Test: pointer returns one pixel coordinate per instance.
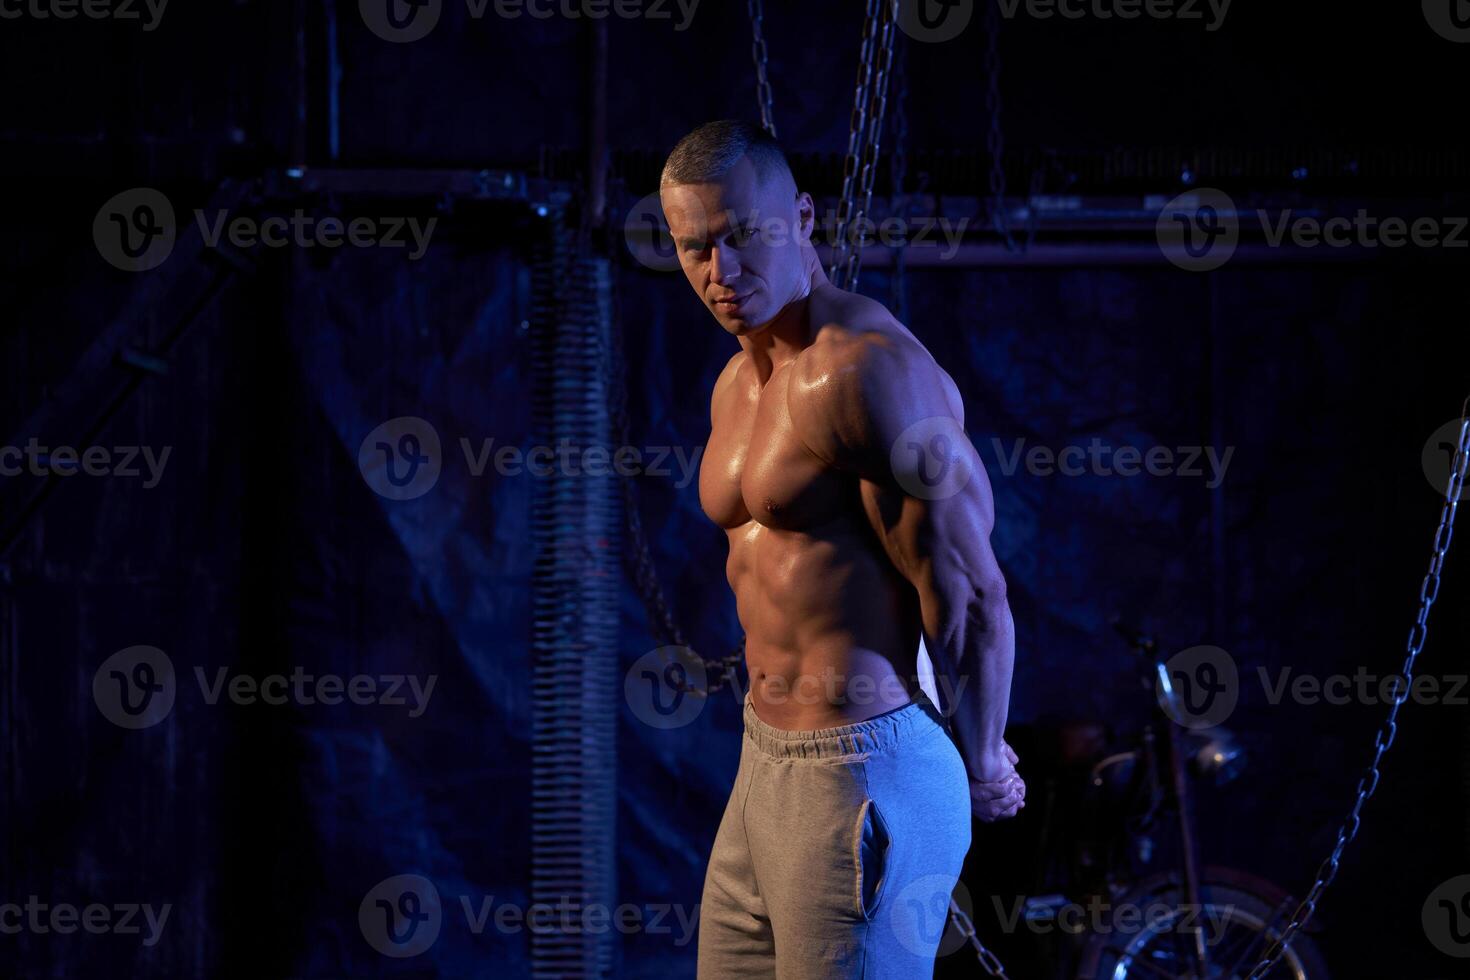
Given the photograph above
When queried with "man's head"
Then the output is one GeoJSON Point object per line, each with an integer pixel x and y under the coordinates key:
{"type": "Point", "coordinates": [738, 222]}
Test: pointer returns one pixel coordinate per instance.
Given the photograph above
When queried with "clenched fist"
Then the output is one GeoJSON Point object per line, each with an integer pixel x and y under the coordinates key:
{"type": "Point", "coordinates": [999, 793]}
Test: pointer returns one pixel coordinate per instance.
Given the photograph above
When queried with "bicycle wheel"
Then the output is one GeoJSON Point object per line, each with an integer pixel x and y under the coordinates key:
{"type": "Point", "coordinates": [1237, 926]}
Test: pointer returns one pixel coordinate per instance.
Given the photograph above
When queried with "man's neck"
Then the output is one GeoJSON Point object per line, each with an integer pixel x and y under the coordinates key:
{"type": "Point", "coordinates": [790, 332]}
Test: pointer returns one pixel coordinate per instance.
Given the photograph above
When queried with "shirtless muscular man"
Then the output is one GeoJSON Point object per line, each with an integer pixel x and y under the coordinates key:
{"type": "Point", "coordinates": [859, 519]}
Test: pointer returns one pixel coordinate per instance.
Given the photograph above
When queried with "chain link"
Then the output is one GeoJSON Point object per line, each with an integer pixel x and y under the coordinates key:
{"type": "Point", "coordinates": [988, 960]}
{"type": "Point", "coordinates": [720, 672]}
{"type": "Point", "coordinates": [870, 102]}
{"type": "Point", "coordinates": [994, 140]}
{"type": "Point", "coordinates": [995, 144]}
{"type": "Point", "coordinates": [1383, 740]}
{"type": "Point", "coordinates": [898, 168]}
{"type": "Point", "coordinates": [759, 55]}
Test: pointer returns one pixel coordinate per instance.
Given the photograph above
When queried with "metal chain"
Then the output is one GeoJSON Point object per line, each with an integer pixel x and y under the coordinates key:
{"type": "Point", "coordinates": [870, 102]}
{"type": "Point", "coordinates": [857, 126]}
{"type": "Point", "coordinates": [639, 558]}
{"type": "Point", "coordinates": [966, 928]}
{"type": "Point", "coordinates": [874, 140]}
{"type": "Point", "coordinates": [898, 168]}
{"type": "Point", "coordinates": [758, 54]}
{"type": "Point", "coordinates": [994, 140]}
{"type": "Point", "coordinates": [995, 145]}
{"type": "Point", "coordinates": [1368, 783]}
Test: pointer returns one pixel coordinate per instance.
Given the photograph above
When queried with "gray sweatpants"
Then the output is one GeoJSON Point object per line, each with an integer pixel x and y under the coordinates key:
{"type": "Point", "coordinates": [838, 851]}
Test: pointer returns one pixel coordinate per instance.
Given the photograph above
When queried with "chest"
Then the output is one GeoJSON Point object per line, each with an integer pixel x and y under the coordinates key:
{"type": "Point", "coordinates": [756, 467]}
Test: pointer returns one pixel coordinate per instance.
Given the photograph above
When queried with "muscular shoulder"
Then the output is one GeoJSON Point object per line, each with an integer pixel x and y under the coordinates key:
{"type": "Point", "coordinates": [864, 380]}
{"type": "Point", "coordinates": [723, 382]}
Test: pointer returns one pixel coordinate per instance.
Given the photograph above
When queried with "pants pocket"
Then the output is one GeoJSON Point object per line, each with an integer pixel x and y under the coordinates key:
{"type": "Point", "coordinates": [873, 851]}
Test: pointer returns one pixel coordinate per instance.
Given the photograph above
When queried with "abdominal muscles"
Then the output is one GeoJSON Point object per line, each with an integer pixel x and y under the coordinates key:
{"type": "Point", "coordinates": [831, 629]}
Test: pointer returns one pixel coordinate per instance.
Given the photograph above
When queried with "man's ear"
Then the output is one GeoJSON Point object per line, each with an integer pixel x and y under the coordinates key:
{"type": "Point", "coordinates": [806, 216]}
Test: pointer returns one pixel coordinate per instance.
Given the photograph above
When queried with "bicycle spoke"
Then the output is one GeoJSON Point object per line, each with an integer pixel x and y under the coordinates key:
{"type": "Point", "coordinates": [1258, 940]}
{"type": "Point", "coordinates": [1153, 968]}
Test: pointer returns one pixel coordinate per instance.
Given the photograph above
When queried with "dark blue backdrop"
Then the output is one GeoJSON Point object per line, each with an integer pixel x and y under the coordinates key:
{"type": "Point", "coordinates": [263, 549]}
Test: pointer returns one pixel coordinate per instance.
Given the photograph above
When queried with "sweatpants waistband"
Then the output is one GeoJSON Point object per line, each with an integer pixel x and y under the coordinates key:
{"type": "Point", "coordinates": [879, 733]}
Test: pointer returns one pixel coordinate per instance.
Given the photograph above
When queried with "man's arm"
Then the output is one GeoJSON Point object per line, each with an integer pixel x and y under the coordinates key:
{"type": "Point", "coordinates": [879, 407]}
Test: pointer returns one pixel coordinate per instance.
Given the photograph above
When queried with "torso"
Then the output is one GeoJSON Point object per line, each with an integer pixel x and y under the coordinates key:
{"type": "Point", "coordinates": [832, 629]}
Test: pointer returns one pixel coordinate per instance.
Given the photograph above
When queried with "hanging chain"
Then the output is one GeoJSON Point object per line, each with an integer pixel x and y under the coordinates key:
{"type": "Point", "coordinates": [994, 140]}
{"type": "Point", "coordinates": [898, 164]}
{"type": "Point", "coordinates": [870, 102]}
{"type": "Point", "coordinates": [639, 557]}
{"type": "Point", "coordinates": [1000, 218]}
{"type": "Point", "coordinates": [1368, 784]}
{"type": "Point", "coordinates": [758, 54]}
{"type": "Point", "coordinates": [966, 928]}
{"type": "Point", "coordinates": [858, 124]}
{"type": "Point", "coordinates": [874, 139]}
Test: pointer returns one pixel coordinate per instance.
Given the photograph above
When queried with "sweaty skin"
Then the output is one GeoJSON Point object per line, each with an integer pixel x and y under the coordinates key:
{"type": "Point", "coordinates": [836, 568]}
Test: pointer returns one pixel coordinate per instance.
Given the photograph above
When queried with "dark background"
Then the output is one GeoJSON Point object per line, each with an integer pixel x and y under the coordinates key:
{"type": "Point", "coordinates": [263, 548]}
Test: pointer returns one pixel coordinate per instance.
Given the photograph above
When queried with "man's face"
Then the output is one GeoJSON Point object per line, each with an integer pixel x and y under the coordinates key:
{"type": "Point", "coordinates": [739, 241]}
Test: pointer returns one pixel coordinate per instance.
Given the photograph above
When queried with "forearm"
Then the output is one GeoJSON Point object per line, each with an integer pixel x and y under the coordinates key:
{"type": "Point", "coordinates": [976, 652]}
